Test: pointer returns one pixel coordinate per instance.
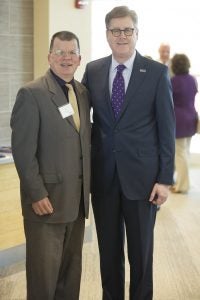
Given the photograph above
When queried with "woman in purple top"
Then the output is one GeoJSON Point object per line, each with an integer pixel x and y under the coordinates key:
{"type": "Point", "coordinates": [184, 88]}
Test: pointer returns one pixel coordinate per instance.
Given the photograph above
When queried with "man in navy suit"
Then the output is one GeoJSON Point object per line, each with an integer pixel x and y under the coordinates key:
{"type": "Point", "coordinates": [132, 155]}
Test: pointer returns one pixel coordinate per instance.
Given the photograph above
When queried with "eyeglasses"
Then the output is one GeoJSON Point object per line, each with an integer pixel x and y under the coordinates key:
{"type": "Point", "coordinates": [117, 32]}
{"type": "Point", "coordinates": [61, 53]}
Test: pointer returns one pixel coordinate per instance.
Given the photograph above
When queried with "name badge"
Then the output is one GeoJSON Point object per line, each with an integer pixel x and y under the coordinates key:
{"type": "Point", "coordinates": [66, 110]}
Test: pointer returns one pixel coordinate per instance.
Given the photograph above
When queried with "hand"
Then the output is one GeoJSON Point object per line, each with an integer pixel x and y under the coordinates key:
{"type": "Point", "coordinates": [42, 207]}
{"type": "Point", "coordinates": [159, 194]}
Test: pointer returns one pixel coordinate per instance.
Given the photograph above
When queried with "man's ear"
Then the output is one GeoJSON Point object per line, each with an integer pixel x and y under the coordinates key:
{"type": "Point", "coordinates": [107, 34]}
{"type": "Point", "coordinates": [80, 59]}
{"type": "Point", "coordinates": [48, 57]}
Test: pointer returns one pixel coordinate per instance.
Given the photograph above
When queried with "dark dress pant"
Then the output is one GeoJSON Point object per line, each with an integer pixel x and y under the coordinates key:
{"type": "Point", "coordinates": [114, 214]}
{"type": "Point", "coordinates": [54, 259]}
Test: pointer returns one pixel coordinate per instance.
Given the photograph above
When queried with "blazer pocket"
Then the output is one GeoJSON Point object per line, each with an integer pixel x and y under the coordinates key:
{"type": "Point", "coordinates": [52, 178]}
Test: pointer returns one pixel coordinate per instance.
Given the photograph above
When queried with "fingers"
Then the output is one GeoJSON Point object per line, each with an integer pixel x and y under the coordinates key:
{"type": "Point", "coordinates": [42, 207]}
{"type": "Point", "coordinates": [159, 200]}
{"type": "Point", "coordinates": [153, 195]}
{"type": "Point", "coordinates": [159, 194]}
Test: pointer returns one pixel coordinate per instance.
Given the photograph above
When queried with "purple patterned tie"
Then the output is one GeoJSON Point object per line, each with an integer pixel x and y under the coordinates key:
{"type": "Point", "coordinates": [118, 91]}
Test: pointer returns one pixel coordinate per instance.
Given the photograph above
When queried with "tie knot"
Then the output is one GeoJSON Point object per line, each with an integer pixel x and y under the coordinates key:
{"type": "Point", "coordinates": [69, 86]}
{"type": "Point", "coordinates": [120, 68]}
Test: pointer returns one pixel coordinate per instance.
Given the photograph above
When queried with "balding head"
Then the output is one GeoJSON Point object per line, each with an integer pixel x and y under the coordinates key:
{"type": "Point", "coordinates": [164, 52]}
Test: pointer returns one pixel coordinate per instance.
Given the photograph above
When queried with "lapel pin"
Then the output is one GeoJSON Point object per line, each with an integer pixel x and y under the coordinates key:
{"type": "Point", "coordinates": [143, 70]}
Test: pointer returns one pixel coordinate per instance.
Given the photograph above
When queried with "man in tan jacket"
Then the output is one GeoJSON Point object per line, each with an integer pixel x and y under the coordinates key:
{"type": "Point", "coordinates": [52, 157]}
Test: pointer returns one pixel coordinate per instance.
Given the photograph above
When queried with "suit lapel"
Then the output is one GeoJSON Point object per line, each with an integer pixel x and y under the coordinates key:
{"type": "Point", "coordinates": [104, 75]}
{"type": "Point", "coordinates": [58, 97]}
{"type": "Point", "coordinates": [81, 105]}
{"type": "Point", "coordinates": [137, 77]}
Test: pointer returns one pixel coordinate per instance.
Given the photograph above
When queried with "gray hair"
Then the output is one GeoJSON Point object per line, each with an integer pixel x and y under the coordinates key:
{"type": "Point", "coordinates": [120, 12]}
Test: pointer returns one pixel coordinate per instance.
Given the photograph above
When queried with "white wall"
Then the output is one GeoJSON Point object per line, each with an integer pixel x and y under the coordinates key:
{"type": "Point", "coordinates": [64, 16]}
{"type": "Point", "coordinates": [51, 16]}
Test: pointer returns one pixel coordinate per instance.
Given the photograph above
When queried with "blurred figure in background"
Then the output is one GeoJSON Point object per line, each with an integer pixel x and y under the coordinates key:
{"type": "Point", "coordinates": [164, 56]}
{"type": "Point", "coordinates": [184, 88]}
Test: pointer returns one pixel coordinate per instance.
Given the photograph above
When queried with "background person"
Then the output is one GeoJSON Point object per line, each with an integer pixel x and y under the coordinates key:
{"type": "Point", "coordinates": [164, 56]}
{"type": "Point", "coordinates": [184, 88]}
{"type": "Point", "coordinates": [52, 157]}
{"type": "Point", "coordinates": [132, 154]}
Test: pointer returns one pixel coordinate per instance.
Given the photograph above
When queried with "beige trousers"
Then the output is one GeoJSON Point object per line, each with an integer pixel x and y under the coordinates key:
{"type": "Point", "coordinates": [182, 181]}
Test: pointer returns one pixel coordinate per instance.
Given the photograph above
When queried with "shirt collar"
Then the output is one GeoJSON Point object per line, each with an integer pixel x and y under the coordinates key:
{"type": "Point", "coordinates": [60, 81]}
{"type": "Point", "coordinates": [128, 63]}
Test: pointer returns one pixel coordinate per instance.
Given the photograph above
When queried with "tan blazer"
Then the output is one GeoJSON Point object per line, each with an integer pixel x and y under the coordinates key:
{"type": "Point", "coordinates": [51, 157]}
